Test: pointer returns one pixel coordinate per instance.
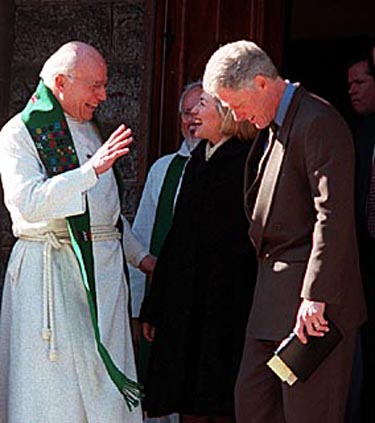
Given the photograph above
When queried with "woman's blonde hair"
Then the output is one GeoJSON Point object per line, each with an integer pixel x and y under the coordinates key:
{"type": "Point", "coordinates": [243, 130]}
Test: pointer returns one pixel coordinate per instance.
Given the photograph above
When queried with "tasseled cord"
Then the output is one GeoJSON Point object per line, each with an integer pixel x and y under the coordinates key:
{"type": "Point", "coordinates": [49, 330]}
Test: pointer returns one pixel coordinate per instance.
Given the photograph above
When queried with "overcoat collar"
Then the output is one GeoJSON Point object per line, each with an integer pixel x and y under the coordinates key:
{"type": "Point", "coordinates": [232, 147]}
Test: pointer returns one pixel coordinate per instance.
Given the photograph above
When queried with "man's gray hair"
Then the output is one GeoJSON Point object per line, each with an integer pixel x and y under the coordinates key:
{"type": "Point", "coordinates": [189, 87]}
{"type": "Point", "coordinates": [235, 65]}
{"type": "Point", "coordinates": [65, 60]}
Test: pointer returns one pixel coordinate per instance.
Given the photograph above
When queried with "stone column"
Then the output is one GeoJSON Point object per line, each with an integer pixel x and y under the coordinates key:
{"type": "Point", "coordinates": [6, 48]}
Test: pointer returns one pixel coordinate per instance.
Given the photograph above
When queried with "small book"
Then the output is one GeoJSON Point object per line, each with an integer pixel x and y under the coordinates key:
{"type": "Point", "coordinates": [294, 361]}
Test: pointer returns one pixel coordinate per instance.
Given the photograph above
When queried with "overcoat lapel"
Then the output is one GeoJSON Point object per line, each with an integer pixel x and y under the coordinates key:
{"type": "Point", "coordinates": [270, 175]}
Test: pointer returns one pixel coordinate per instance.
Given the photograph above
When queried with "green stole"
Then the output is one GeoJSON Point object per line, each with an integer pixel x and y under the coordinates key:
{"type": "Point", "coordinates": [162, 225]}
{"type": "Point", "coordinates": [46, 123]}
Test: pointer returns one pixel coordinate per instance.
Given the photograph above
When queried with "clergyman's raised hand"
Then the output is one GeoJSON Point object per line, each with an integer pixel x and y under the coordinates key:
{"type": "Point", "coordinates": [116, 146]}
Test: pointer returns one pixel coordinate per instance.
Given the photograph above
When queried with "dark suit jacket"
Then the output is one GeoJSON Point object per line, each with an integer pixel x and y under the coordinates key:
{"type": "Point", "coordinates": [364, 146]}
{"type": "Point", "coordinates": [300, 205]}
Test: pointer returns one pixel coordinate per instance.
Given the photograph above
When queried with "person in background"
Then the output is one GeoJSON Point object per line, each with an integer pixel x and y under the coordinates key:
{"type": "Point", "coordinates": [65, 342]}
{"type": "Point", "coordinates": [144, 221]}
{"type": "Point", "coordinates": [361, 81]}
{"type": "Point", "coordinates": [201, 291]}
{"type": "Point", "coordinates": [154, 216]}
{"type": "Point", "coordinates": [299, 201]}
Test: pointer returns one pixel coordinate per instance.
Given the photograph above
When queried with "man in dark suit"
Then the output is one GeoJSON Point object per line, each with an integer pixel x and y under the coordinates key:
{"type": "Point", "coordinates": [362, 96]}
{"type": "Point", "coordinates": [299, 199]}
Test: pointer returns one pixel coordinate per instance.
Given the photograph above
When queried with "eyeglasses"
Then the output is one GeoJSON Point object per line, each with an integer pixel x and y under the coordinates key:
{"type": "Point", "coordinates": [93, 85]}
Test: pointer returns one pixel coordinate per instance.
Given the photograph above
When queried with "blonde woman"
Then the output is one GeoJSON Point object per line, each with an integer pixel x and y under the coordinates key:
{"type": "Point", "coordinates": [203, 282]}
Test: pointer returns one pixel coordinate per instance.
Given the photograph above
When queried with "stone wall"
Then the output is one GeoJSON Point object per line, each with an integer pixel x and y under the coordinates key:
{"type": "Point", "coordinates": [120, 31]}
{"type": "Point", "coordinates": [6, 44]}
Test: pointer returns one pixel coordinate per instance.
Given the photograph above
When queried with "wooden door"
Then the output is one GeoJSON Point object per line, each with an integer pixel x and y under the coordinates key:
{"type": "Point", "coordinates": [187, 33]}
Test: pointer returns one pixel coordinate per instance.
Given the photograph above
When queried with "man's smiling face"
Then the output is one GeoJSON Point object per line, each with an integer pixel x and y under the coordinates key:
{"type": "Point", "coordinates": [85, 89]}
{"type": "Point", "coordinates": [252, 103]}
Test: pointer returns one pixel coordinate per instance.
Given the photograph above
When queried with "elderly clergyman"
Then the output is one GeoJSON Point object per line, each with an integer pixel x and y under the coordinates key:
{"type": "Point", "coordinates": [299, 200]}
{"type": "Point", "coordinates": [65, 344]}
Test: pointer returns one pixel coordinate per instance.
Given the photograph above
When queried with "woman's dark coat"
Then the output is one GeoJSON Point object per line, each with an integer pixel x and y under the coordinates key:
{"type": "Point", "coordinates": [201, 290]}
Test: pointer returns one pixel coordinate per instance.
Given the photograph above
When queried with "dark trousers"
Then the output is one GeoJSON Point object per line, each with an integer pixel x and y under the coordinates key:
{"type": "Point", "coordinates": [354, 405]}
{"type": "Point", "coordinates": [367, 257]}
{"type": "Point", "coordinates": [368, 351]}
{"type": "Point", "coordinates": [261, 397]}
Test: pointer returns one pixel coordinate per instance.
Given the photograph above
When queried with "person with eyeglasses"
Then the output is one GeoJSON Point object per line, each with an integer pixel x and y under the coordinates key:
{"type": "Point", "coordinates": [154, 216]}
{"type": "Point", "coordinates": [65, 341]}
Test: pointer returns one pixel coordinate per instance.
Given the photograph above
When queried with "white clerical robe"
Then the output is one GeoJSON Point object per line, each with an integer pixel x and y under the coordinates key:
{"type": "Point", "coordinates": [142, 228]}
{"type": "Point", "coordinates": [145, 217]}
{"type": "Point", "coordinates": [75, 387]}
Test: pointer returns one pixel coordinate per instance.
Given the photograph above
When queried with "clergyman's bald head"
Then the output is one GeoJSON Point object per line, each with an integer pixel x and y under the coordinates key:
{"type": "Point", "coordinates": [67, 58]}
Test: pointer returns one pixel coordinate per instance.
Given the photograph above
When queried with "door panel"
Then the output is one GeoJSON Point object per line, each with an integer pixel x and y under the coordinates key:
{"type": "Point", "coordinates": [187, 33]}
